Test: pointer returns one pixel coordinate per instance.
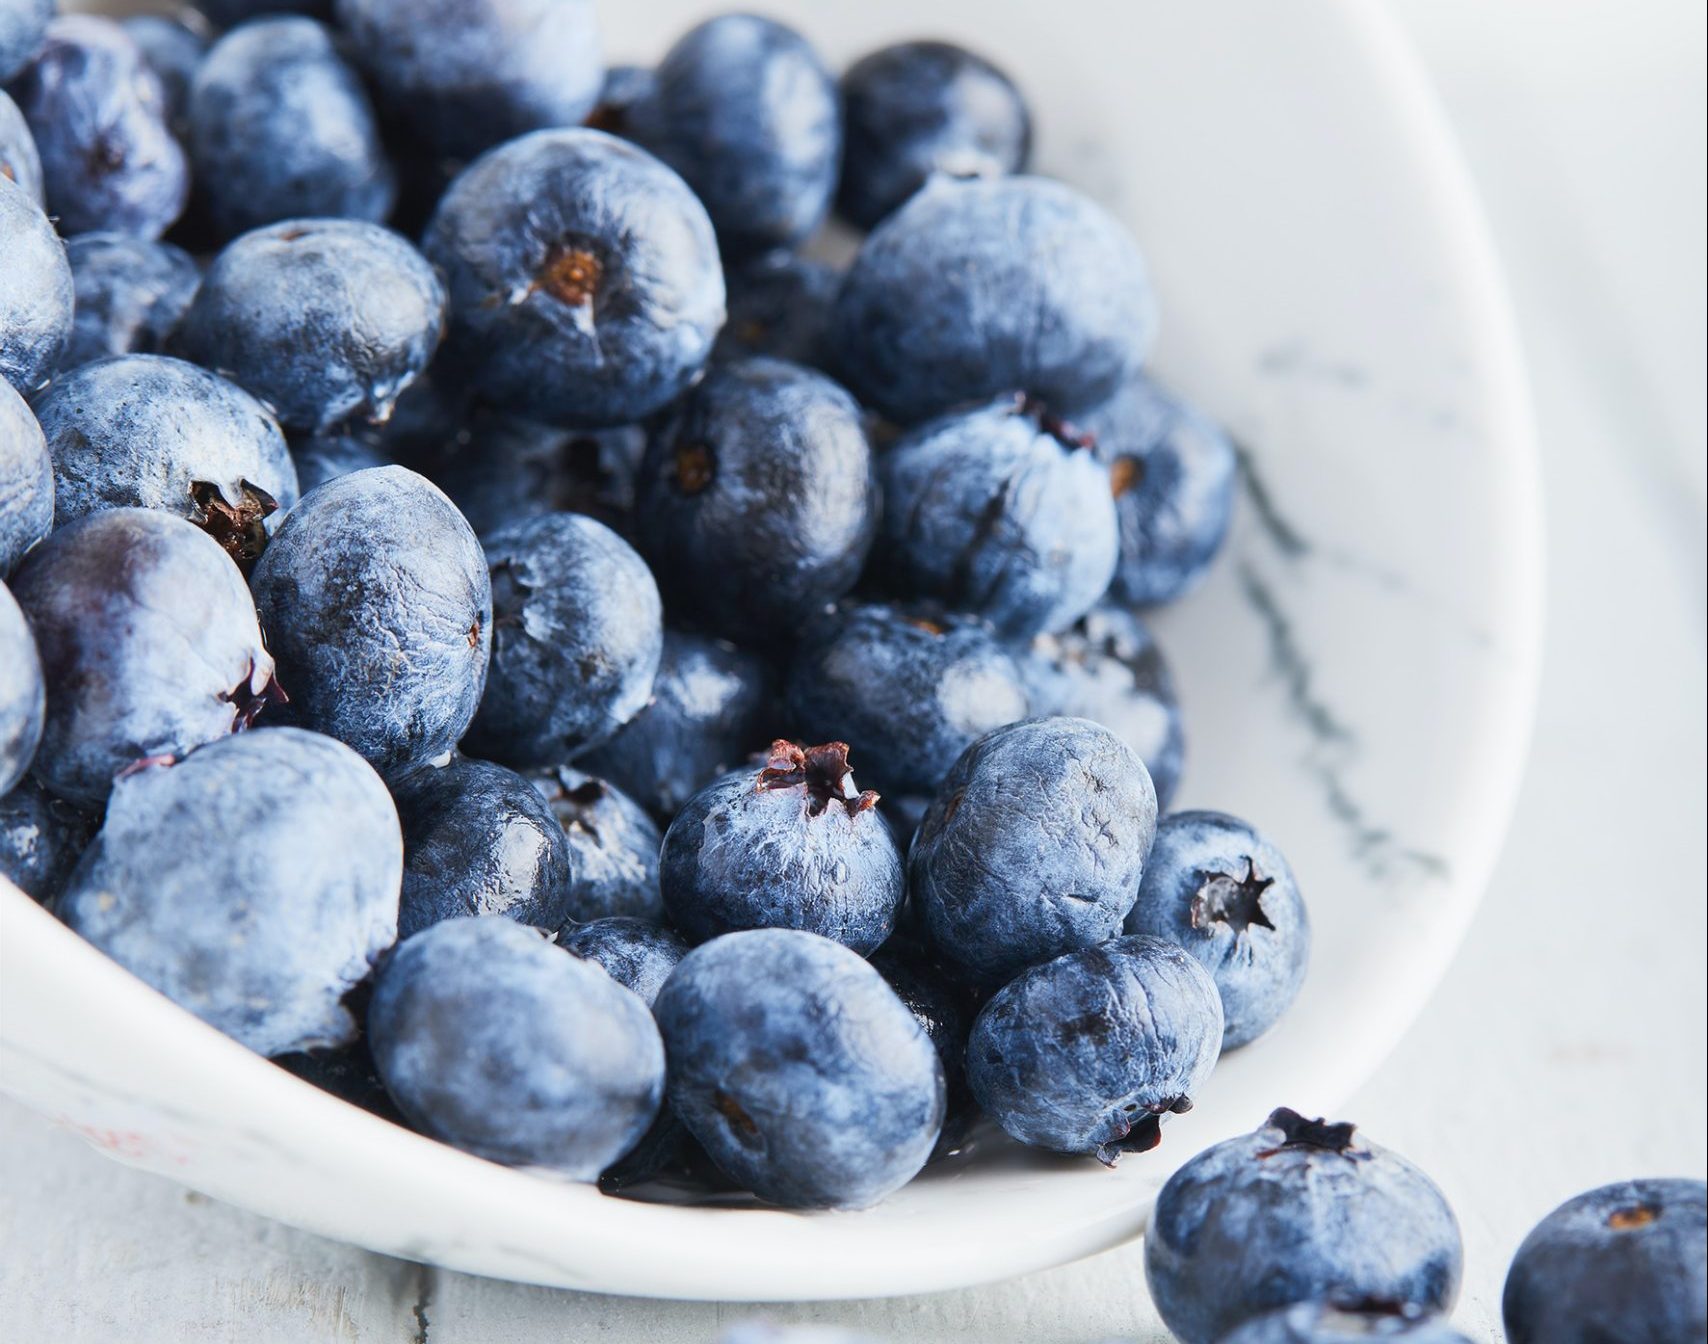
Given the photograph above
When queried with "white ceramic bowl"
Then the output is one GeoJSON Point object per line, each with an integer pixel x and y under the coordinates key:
{"type": "Point", "coordinates": [1357, 673]}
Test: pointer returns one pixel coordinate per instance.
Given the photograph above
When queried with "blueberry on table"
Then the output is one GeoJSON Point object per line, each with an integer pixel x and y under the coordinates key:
{"type": "Point", "coordinates": [613, 847]}
{"type": "Point", "coordinates": [26, 480]}
{"type": "Point", "coordinates": [496, 1041]}
{"type": "Point", "coordinates": [41, 839]}
{"type": "Point", "coordinates": [506, 470]}
{"type": "Point", "coordinates": [19, 161]}
{"type": "Point", "coordinates": [1626, 1262]}
{"type": "Point", "coordinates": [173, 45]}
{"type": "Point", "coordinates": [779, 305]}
{"type": "Point", "coordinates": [584, 280]}
{"type": "Point", "coordinates": [1296, 1211]}
{"type": "Point", "coordinates": [320, 458]}
{"type": "Point", "coordinates": [35, 291]}
{"type": "Point", "coordinates": [805, 1078]}
{"type": "Point", "coordinates": [794, 844]}
{"type": "Point", "coordinates": [149, 646]}
{"type": "Point", "coordinates": [131, 294]}
{"type": "Point", "coordinates": [23, 701]}
{"type": "Point", "coordinates": [638, 954]}
{"type": "Point", "coordinates": [254, 883]}
{"type": "Point", "coordinates": [1340, 1322]}
{"type": "Point", "coordinates": [22, 25]}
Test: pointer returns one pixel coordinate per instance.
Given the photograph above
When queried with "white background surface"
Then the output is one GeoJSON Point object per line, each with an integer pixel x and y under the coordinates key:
{"type": "Point", "coordinates": [1566, 1047]}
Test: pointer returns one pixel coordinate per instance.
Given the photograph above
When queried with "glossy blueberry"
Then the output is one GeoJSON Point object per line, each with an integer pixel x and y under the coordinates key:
{"type": "Point", "coordinates": [1338, 1323]}
{"type": "Point", "coordinates": [1032, 847]}
{"type": "Point", "coordinates": [510, 470]}
{"type": "Point", "coordinates": [756, 503]}
{"type": "Point", "coordinates": [613, 847]}
{"type": "Point", "coordinates": [945, 1011]}
{"type": "Point", "coordinates": [975, 289]}
{"type": "Point", "coordinates": [131, 293]}
{"type": "Point", "coordinates": [41, 839]}
{"type": "Point", "coordinates": [1296, 1211]}
{"type": "Point", "coordinates": [916, 109]}
{"type": "Point", "coordinates": [23, 702]}
{"type": "Point", "coordinates": [497, 1042]}
{"type": "Point", "coordinates": [320, 458]}
{"type": "Point", "coordinates": [779, 305]}
{"type": "Point", "coordinates": [805, 1078]}
{"type": "Point", "coordinates": [98, 114]}
{"type": "Point", "coordinates": [585, 287]}
{"type": "Point", "coordinates": [323, 319]}
{"type": "Point", "coordinates": [1626, 1262]}
{"type": "Point", "coordinates": [19, 161]}
{"type": "Point", "coordinates": [26, 480]}
{"type": "Point", "coordinates": [622, 88]}
{"type": "Point", "coordinates": [281, 128]}
{"type": "Point", "coordinates": [35, 291]}
{"type": "Point", "coordinates": [376, 600]}
{"type": "Point", "coordinates": [148, 642]}
{"type": "Point", "coordinates": [173, 45]}
{"type": "Point", "coordinates": [745, 110]}
{"type": "Point", "coordinates": [637, 954]}
{"type": "Point", "coordinates": [254, 883]}
{"type": "Point", "coordinates": [22, 24]}
{"type": "Point", "coordinates": [1087, 1053]}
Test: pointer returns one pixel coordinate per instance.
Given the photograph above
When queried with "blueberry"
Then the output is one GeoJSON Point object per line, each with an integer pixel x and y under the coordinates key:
{"type": "Point", "coordinates": [320, 458]}
{"type": "Point", "coordinates": [916, 109]}
{"type": "Point", "coordinates": [254, 883]}
{"type": "Point", "coordinates": [622, 88]}
{"type": "Point", "coordinates": [19, 160]}
{"type": "Point", "coordinates": [23, 701]}
{"type": "Point", "coordinates": [281, 128]}
{"type": "Point", "coordinates": [909, 688]}
{"type": "Point", "coordinates": [495, 1041]}
{"type": "Point", "coordinates": [41, 838]}
{"type": "Point", "coordinates": [1032, 847]}
{"type": "Point", "coordinates": [148, 644]}
{"type": "Point", "coordinates": [585, 287]}
{"type": "Point", "coordinates": [779, 305]}
{"type": "Point", "coordinates": [975, 289]}
{"type": "Point", "coordinates": [745, 110]}
{"type": "Point", "coordinates": [467, 74]}
{"type": "Point", "coordinates": [756, 503]}
{"type": "Point", "coordinates": [22, 24]}
{"type": "Point", "coordinates": [945, 1011]}
{"type": "Point", "coordinates": [803, 1075]}
{"type": "Point", "coordinates": [1336, 1323]}
{"type": "Point", "coordinates": [613, 847]}
{"type": "Point", "coordinates": [26, 480]}
{"type": "Point", "coordinates": [173, 45]}
{"type": "Point", "coordinates": [98, 113]}
{"type": "Point", "coordinates": [513, 469]}
{"type": "Point", "coordinates": [377, 603]}
{"type": "Point", "coordinates": [35, 291]}
{"type": "Point", "coordinates": [637, 954]}
{"type": "Point", "coordinates": [1625, 1262]}
{"type": "Point", "coordinates": [131, 293]}
{"type": "Point", "coordinates": [1297, 1211]}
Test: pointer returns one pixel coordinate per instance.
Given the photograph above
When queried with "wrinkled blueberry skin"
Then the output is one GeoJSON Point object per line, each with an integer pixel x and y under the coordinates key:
{"type": "Point", "coordinates": [805, 1078]}
{"type": "Point", "coordinates": [173, 46]}
{"type": "Point", "coordinates": [1625, 1262]}
{"type": "Point", "coordinates": [1296, 1211]}
{"type": "Point", "coordinates": [323, 319]}
{"type": "Point", "coordinates": [281, 128]}
{"type": "Point", "coordinates": [467, 74]}
{"type": "Point", "coordinates": [23, 702]}
{"type": "Point", "coordinates": [756, 503]}
{"type": "Point", "coordinates": [585, 287]}
{"type": "Point", "coordinates": [376, 601]}
{"type": "Point", "coordinates": [1087, 1053]}
{"type": "Point", "coordinates": [35, 291]}
{"type": "Point", "coordinates": [478, 840]}
{"type": "Point", "coordinates": [26, 480]}
{"type": "Point", "coordinates": [18, 158]}
{"type": "Point", "coordinates": [1032, 847]}
{"type": "Point", "coordinates": [779, 305]}
{"type": "Point", "coordinates": [148, 642]}
{"type": "Point", "coordinates": [41, 839]}
{"type": "Point", "coordinates": [613, 848]}
{"type": "Point", "coordinates": [98, 114]}
{"type": "Point", "coordinates": [496, 1041]}
{"type": "Point", "coordinates": [945, 1011]}
{"type": "Point", "coordinates": [916, 109]}
{"type": "Point", "coordinates": [510, 470]}
{"type": "Point", "coordinates": [713, 705]}
{"type": "Point", "coordinates": [1173, 473]}
{"type": "Point", "coordinates": [1219, 888]}
{"type": "Point", "coordinates": [1107, 667]}
{"type": "Point", "coordinates": [745, 110]}
{"type": "Point", "coordinates": [324, 457]}
{"type": "Point", "coordinates": [638, 955]}
{"type": "Point", "coordinates": [908, 688]}
{"type": "Point", "coordinates": [131, 293]}
{"type": "Point", "coordinates": [999, 512]}
{"type": "Point", "coordinates": [1328, 1323]}
{"type": "Point", "coordinates": [254, 883]}
{"type": "Point", "coordinates": [577, 632]}
{"type": "Point", "coordinates": [975, 289]}
{"type": "Point", "coordinates": [22, 24]}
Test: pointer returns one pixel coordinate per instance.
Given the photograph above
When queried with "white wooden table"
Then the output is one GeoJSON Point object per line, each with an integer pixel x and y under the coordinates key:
{"type": "Point", "coordinates": [1566, 1047]}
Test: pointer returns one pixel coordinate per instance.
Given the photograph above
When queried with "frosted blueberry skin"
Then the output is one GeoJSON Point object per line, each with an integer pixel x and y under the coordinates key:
{"type": "Point", "coordinates": [1033, 846]}
{"type": "Point", "coordinates": [1088, 1052]}
{"type": "Point", "coordinates": [917, 109]}
{"type": "Point", "coordinates": [585, 287]}
{"type": "Point", "coordinates": [23, 701]}
{"type": "Point", "coordinates": [1221, 889]}
{"type": "Point", "coordinates": [745, 110]}
{"type": "Point", "coordinates": [1296, 1211]}
{"type": "Point", "coordinates": [281, 128]}
{"type": "Point", "coordinates": [793, 845]}
{"type": "Point", "coordinates": [756, 504]}
{"type": "Point", "coordinates": [173, 46]}
{"type": "Point", "coordinates": [18, 158]}
{"type": "Point", "coordinates": [468, 74]}
{"type": "Point", "coordinates": [35, 291]}
{"type": "Point", "coordinates": [909, 688]}
{"type": "Point", "coordinates": [376, 601]}
{"type": "Point", "coordinates": [22, 24]}
{"type": "Point", "coordinates": [496, 1041]}
{"type": "Point", "coordinates": [637, 954]}
{"type": "Point", "coordinates": [509, 470]}
{"type": "Point", "coordinates": [478, 840]}
{"type": "Point", "coordinates": [98, 114]}
{"type": "Point", "coordinates": [130, 292]}
{"type": "Point", "coordinates": [613, 848]}
{"type": "Point", "coordinates": [148, 643]}
{"type": "Point", "coordinates": [779, 305]}
{"type": "Point", "coordinates": [1336, 1323]}
{"type": "Point", "coordinates": [26, 480]}
{"type": "Point", "coordinates": [320, 458]}
{"type": "Point", "coordinates": [254, 883]}
{"type": "Point", "coordinates": [797, 1068]}
{"type": "Point", "coordinates": [1627, 1261]}
{"type": "Point", "coordinates": [41, 839]}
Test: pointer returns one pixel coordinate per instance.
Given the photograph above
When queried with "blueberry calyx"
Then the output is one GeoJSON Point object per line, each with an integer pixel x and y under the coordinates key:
{"type": "Point", "coordinates": [238, 528]}
{"type": "Point", "coordinates": [571, 275]}
{"type": "Point", "coordinates": [1377, 1306]}
{"type": "Point", "coordinates": [1126, 473]}
{"type": "Point", "coordinates": [1299, 1133]}
{"type": "Point", "coordinates": [578, 801]}
{"type": "Point", "coordinates": [1224, 898]}
{"type": "Point", "coordinates": [1140, 1128]}
{"type": "Point", "coordinates": [822, 770]}
{"type": "Point", "coordinates": [1638, 1215]}
{"type": "Point", "coordinates": [695, 467]}
{"type": "Point", "coordinates": [1068, 435]}
{"type": "Point", "coordinates": [251, 696]}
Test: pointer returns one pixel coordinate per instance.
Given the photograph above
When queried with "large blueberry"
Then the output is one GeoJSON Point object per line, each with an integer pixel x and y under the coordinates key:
{"type": "Point", "coordinates": [148, 644]}
{"type": "Point", "coordinates": [35, 291]}
{"type": "Point", "coordinates": [26, 480]}
{"type": "Point", "coordinates": [131, 293]}
{"type": "Point", "coordinates": [498, 1042]}
{"type": "Point", "coordinates": [585, 287]}
{"type": "Point", "coordinates": [756, 503]}
{"type": "Point", "coordinates": [254, 883]}
{"type": "Point", "coordinates": [613, 847]}
{"type": "Point", "coordinates": [975, 289]}
{"type": "Point", "coordinates": [779, 305]}
{"type": "Point", "coordinates": [22, 24]}
{"type": "Point", "coordinates": [41, 838]}
{"type": "Point", "coordinates": [173, 45]}
{"type": "Point", "coordinates": [19, 160]}
{"type": "Point", "coordinates": [637, 954]}
{"type": "Point", "coordinates": [376, 599]}
{"type": "Point", "coordinates": [509, 470]}
{"type": "Point", "coordinates": [321, 457]}
{"type": "Point", "coordinates": [803, 1075]}
{"type": "Point", "coordinates": [1346, 1323]}
{"type": "Point", "coordinates": [1296, 1211]}
{"type": "Point", "coordinates": [23, 701]}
